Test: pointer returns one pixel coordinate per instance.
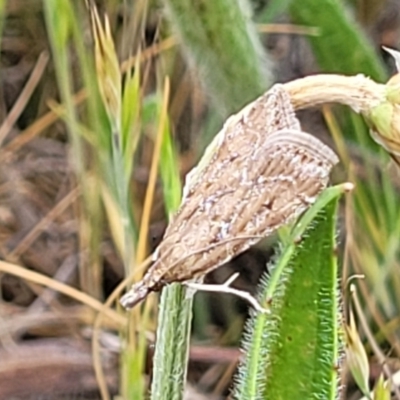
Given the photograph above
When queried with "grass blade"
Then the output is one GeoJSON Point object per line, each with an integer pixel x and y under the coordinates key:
{"type": "Point", "coordinates": [175, 315]}
{"type": "Point", "coordinates": [222, 43]}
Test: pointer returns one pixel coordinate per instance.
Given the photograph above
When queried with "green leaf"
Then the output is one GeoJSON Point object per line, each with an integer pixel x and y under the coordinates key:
{"type": "Point", "coordinates": [59, 28]}
{"type": "Point", "coordinates": [222, 44]}
{"type": "Point", "coordinates": [299, 338]}
{"type": "Point", "coordinates": [342, 46]}
{"type": "Point", "coordinates": [130, 118]}
{"type": "Point", "coordinates": [274, 8]}
{"type": "Point", "coordinates": [169, 171]}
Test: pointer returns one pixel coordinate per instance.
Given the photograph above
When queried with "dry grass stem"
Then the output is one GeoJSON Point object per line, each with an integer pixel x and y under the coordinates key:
{"type": "Point", "coordinates": [225, 288]}
{"type": "Point", "coordinates": [60, 287]}
{"type": "Point", "coordinates": [358, 92]}
{"type": "Point", "coordinates": [51, 117]}
{"type": "Point", "coordinates": [24, 97]}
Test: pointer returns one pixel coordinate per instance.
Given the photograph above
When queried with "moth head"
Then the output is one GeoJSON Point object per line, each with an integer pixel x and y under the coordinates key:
{"type": "Point", "coordinates": [135, 295]}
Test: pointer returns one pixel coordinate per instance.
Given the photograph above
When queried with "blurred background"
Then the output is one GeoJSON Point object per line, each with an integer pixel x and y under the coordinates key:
{"type": "Point", "coordinates": [63, 196]}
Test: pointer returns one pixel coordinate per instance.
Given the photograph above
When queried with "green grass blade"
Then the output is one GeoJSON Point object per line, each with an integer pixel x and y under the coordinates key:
{"type": "Point", "coordinates": [273, 8]}
{"type": "Point", "coordinates": [2, 15]}
{"type": "Point", "coordinates": [60, 35]}
{"type": "Point", "coordinates": [174, 321]}
{"type": "Point", "coordinates": [169, 168]}
{"type": "Point", "coordinates": [172, 187]}
{"type": "Point", "coordinates": [222, 43]}
{"type": "Point", "coordinates": [299, 339]}
{"type": "Point", "coordinates": [130, 118]}
{"type": "Point", "coordinates": [133, 379]}
{"type": "Point", "coordinates": [118, 155]}
{"type": "Point", "coordinates": [341, 47]}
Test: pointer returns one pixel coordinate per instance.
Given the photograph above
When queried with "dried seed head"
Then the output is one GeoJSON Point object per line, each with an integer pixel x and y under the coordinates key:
{"type": "Point", "coordinates": [356, 356]}
{"type": "Point", "coordinates": [261, 172]}
{"type": "Point", "coordinates": [107, 66]}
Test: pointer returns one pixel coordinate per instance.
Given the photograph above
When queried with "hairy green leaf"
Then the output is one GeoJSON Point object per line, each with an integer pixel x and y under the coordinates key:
{"type": "Point", "coordinates": [292, 352]}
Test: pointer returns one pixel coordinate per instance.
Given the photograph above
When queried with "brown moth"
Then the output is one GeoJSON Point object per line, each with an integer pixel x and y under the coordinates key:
{"type": "Point", "coordinates": [260, 172]}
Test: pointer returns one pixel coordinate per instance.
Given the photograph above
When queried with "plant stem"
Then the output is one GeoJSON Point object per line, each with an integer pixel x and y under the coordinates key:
{"type": "Point", "coordinates": [173, 334]}
{"type": "Point", "coordinates": [358, 92]}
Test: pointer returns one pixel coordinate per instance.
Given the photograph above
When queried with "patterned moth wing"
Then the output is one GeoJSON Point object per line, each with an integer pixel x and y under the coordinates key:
{"type": "Point", "coordinates": [269, 113]}
{"type": "Point", "coordinates": [256, 181]}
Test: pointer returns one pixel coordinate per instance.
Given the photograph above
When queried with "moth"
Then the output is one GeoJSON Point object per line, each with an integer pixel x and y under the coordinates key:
{"type": "Point", "coordinates": [260, 172]}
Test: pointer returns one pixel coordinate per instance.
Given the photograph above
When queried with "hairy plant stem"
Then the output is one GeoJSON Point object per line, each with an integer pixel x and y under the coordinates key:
{"type": "Point", "coordinates": [173, 336]}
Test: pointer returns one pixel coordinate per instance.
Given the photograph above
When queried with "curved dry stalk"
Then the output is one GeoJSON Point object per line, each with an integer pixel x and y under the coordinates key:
{"type": "Point", "coordinates": [24, 97]}
{"type": "Point", "coordinates": [63, 288]}
{"type": "Point", "coordinates": [358, 92]}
